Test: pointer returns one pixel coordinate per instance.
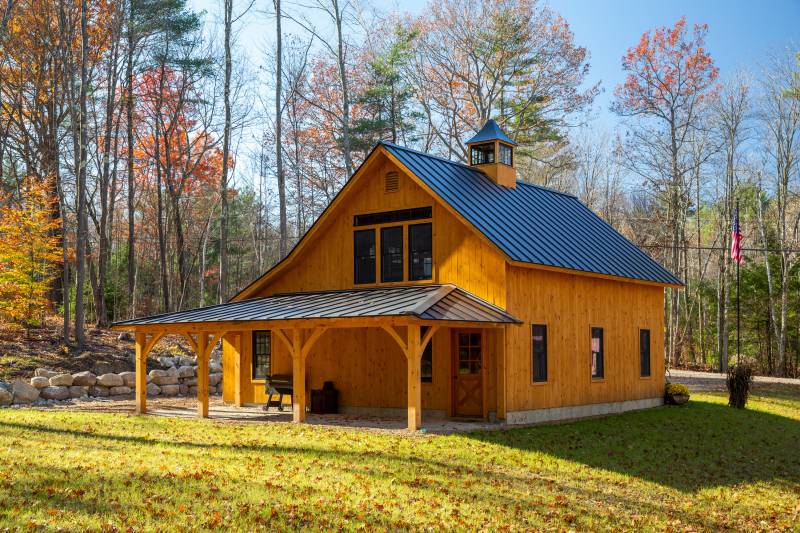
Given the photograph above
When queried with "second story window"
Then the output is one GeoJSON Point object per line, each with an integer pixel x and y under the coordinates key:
{"type": "Point", "coordinates": [392, 254]}
{"type": "Point", "coordinates": [420, 252]}
{"type": "Point", "coordinates": [482, 154]}
{"type": "Point", "coordinates": [364, 256]}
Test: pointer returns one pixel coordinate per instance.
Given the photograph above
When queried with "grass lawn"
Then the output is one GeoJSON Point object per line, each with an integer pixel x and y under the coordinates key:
{"type": "Point", "coordinates": [701, 467]}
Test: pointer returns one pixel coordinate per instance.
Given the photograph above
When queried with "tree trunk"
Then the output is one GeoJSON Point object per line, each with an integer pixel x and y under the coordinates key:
{"type": "Point", "coordinates": [226, 144]}
{"type": "Point", "coordinates": [348, 161]}
{"type": "Point", "coordinates": [284, 231]}
{"type": "Point", "coordinates": [131, 179]}
{"type": "Point", "coordinates": [81, 237]}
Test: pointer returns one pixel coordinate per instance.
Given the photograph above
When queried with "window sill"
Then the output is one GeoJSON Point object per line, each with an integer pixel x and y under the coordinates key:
{"type": "Point", "coordinates": [598, 380]}
{"type": "Point", "coordinates": [646, 378]}
{"type": "Point", "coordinates": [540, 383]}
{"type": "Point", "coordinates": [380, 284]}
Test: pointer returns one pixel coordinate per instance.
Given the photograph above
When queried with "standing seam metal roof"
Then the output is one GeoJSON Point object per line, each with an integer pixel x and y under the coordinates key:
{"type": "Point", "coordinates": [533, 224]}
{"type": "Point", "coordinates": [426, 302]}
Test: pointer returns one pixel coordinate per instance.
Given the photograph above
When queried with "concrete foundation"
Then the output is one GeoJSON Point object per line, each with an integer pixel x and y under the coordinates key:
{"type": "Point", "coordinates": [536, 416]}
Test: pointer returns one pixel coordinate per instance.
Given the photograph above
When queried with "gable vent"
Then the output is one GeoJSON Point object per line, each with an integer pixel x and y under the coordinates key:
{"type": "Point", "coordinates": [391, 182]}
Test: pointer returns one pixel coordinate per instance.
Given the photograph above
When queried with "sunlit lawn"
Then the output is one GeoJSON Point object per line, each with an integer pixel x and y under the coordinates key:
{"type": "Point", "coordinates": [704, 467]}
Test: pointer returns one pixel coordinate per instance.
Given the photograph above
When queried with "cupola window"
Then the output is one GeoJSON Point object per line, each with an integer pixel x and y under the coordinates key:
{"type": "Point", "coordinates": [483, 154]}
{"type": "Point", "coordinates": [506, 156]}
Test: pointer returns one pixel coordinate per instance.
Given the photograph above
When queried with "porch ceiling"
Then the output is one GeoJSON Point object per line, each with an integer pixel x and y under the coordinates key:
{"type": "Point", "coordinates": [446, 303]}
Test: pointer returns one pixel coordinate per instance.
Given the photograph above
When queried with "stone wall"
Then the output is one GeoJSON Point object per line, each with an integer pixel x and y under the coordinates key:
{"type": "Point", "coordinates": [176, 377]}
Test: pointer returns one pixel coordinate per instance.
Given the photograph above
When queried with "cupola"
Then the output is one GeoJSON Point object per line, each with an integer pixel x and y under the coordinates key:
{"type": "Point", "coordinates": [492, 151]}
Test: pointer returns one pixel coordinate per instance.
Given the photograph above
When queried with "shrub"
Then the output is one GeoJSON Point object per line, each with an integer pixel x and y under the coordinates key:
{"type": "Point", "coordinates": [675, 389]}
{"type": "Point", "coordinates": [740, 378]}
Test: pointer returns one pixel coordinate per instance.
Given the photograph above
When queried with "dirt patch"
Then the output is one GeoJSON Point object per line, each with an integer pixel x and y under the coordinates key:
{"type": "Point", "coordinates": [106, 351]}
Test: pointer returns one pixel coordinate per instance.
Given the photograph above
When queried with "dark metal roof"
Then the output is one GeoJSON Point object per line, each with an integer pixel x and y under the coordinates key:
{"type": "Point", "coordinates": [490, 132]}
{"type": "Point", "coordinates": [426, 302]}
{"type": "Point", "coordinates": [532, 224]}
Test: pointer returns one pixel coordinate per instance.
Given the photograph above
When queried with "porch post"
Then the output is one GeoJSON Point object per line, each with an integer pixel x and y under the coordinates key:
{"type": "Point", "coordinates": [237, 370]}
{"type": "Point", "coordinates": [298, 379]}
{"type": "Point", "coordinates": [202, 375]}
{"type": "Point", "coordinates": [414, 357]}
{"type": "Point", "coordinates": [141, 373]}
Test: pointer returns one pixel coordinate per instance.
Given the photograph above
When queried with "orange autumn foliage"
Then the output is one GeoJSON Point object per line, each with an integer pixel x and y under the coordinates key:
{"type": "Point", "coordinates": [668, 68]}
{"type": "Point", "coordinates": [28, 254]}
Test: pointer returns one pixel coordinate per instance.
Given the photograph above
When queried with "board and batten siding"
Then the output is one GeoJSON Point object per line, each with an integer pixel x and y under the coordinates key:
{"type": "Point", "coordinates": [570, 305]}
{"type": "Point", "coordinates": [460, 256]}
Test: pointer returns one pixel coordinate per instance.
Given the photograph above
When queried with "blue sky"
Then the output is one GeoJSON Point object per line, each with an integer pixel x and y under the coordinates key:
{"type": "Point", "coordinates": [741, 33]}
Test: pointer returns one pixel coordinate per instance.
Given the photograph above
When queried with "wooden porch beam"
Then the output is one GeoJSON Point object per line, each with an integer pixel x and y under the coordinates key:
{"type": "Point", "coordinates": [190, 340]}
{"type": "Point", "coordinates": [388, 328]}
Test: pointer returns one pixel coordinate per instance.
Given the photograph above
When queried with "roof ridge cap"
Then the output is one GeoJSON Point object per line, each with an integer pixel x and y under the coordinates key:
{"type": "Point", "coordinates": [547, 189]}
{"type": "Point", "coordinates": [432, 156]}
{"type": "Point", "coordinates": [431, 299]}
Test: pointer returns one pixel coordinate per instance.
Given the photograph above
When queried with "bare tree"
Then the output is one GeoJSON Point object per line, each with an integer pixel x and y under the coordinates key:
{"type": "Point", "coordinates": [780, 122]}
{"type": "Point", "coordinates": [730, 113]}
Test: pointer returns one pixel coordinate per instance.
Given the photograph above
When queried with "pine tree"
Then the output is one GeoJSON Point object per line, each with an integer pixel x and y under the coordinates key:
{"type": "Point", "coordinates": [386, 100]}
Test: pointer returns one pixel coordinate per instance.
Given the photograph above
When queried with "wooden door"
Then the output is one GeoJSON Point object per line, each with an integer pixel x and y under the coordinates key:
{"type": "Point", "coordinates": [467, 370]}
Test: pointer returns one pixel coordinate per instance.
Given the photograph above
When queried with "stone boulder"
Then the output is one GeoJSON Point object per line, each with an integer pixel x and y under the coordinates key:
{"type": "Point", "coordinates": [24, 393]}
{"type": "Point", "coordinates": [215, 366]}
{"type": "Point", "coordinates": [55, 393]}
{"type": "Point", "coordinates": [170, 390]}
{"type": "Point", "coordinates": [110, 380]}
{"type": "Point", "coordinates": [193, 390]}
{"type": "Point", "coordinates": [98, 391]}
{"type": "Point", "coordinates": [184, 389]}
{"type": "Point", "coordinates": [5, 397]}
{"type": "Point", "coordinates": [78, 391]}
{"type": "Point", "coordinates": [161, 381]}
{"type": "Point", "coordinates": [191, 382]}
{"type": "Point", "coordinates": [43, 372]}
{"type": "Point", "coordinates": [153, 389]}
{"type": "Point", "coordinates": [186, 372]}
{"type": "Point", "coordinates": [84, 379]}
{"type": "Point", "coordinates": [119, 391]}
{"type": "Point", "coordinates": [214, 379]}
{"type": "Point", "coordinates": [166, 362]}
{"type": "Point", "coordinates": [129, 378]}
{"type": "Point", "coordinates": [40, 382]}
{"type": "Point", "coordinates": [61, 380]}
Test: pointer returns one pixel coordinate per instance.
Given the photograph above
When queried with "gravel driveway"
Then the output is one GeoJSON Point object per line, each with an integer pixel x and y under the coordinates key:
{"type": "Point", "coordinates": [700, 381]}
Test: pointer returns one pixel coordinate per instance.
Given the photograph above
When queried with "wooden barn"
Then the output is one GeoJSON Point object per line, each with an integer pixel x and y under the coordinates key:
{"type": "Point", "coordinates": [440, 289]}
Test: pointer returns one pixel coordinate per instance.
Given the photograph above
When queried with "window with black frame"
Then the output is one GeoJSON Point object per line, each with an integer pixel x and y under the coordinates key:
{"type": "Point", "coordinates": [598, 370]}
{"type": "Point", "coordinates": [426, 364]}
{"type": "Point", "coordinates": [392, 254]}
{"type": "Point", "coordinates": [539, 352]}
{"type": "Point", "coordinates": [364, 256]}
{"type": "Point", "coordinates": [420, 252]}
{"type": "Point", "coordinates": [644, 352]}
{"type": "Point", "coordinates": [506, 155]}
{"type": "Point", "coordinates": [262, 354]}
{"type": "Point", "coordinates": [482, 154]}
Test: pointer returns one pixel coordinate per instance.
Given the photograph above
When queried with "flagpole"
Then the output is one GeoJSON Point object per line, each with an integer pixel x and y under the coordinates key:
{"type": "Point", "coordinates": [738, 295]}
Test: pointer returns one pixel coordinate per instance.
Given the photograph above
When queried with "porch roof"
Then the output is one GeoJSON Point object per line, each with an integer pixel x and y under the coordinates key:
{"type": "Point", "coordinates": [427, 302]}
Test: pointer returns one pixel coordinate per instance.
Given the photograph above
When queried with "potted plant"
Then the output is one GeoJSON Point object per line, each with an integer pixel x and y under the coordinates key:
{"type": "Point", "coordinates": [676, 394]}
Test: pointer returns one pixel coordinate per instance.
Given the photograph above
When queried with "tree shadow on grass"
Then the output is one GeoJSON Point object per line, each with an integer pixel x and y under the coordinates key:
{"type": "Point", "coordinates": [690, 448]}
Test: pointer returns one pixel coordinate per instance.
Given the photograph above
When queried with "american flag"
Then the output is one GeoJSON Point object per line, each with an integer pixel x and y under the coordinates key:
{"type": "Point", "coordinates": [736, 238]}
